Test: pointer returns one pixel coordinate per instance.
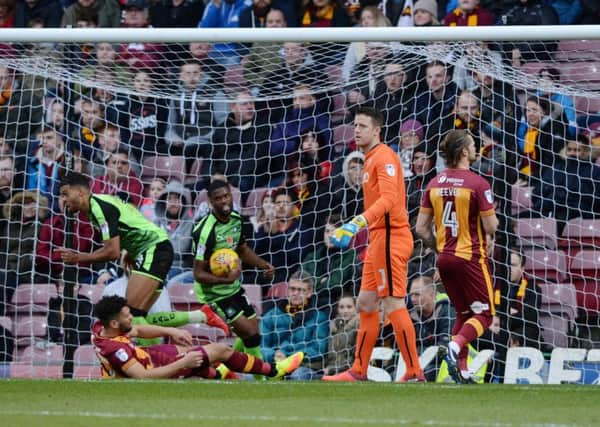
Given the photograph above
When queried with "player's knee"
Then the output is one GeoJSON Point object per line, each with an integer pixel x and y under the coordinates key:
{"type": "Point", "coordinates": [366, 302]}
{"type": "Point", "coordinates": [136, 312]}
{"type": "Point", "coordinates": [252, 341]}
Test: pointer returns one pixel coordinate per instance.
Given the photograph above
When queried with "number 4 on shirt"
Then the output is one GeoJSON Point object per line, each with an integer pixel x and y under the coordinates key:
{"type": "Point", "coordinates": [449, 219]}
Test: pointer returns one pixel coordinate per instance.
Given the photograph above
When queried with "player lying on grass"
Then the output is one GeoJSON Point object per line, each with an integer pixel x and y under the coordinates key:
{"type": "Point", "coordinates": [121, 358]}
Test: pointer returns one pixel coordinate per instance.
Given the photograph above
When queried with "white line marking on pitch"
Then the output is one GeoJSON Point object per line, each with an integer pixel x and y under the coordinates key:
{"type": "Point", "coordinates": [264, 418]}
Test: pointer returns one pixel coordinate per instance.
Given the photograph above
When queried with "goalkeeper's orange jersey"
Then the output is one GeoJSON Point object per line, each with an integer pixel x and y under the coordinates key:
{"type": "Point", "coordinates": [384, 192]}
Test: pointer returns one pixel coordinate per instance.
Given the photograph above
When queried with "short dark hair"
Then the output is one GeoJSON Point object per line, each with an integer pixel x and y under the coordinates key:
{"type": "Point", "coordinates": [215, 185]}
{"type": "Point", "coordinates": [108, 308]}
{"type": "Point", "coordinates": [452, 145]}
{"type": "Point", "coordinates": [75, 179]}
{"type": "Point", "coordinates": [543, 102]}
{"type": "Point", "coordinates": [373, 113]}
{"type": "Point", "coordinates": [285, 191]}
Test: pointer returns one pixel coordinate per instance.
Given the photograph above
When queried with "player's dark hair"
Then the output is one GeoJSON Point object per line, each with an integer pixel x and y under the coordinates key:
{"type": "Point", "coordinates": [452, 146]}
{"type": "Point", "coordinates": [108, 308]}
{"type": "Point", "coordinates": [215, 185]}
{"type": "Point", "coordinates": [543, 102]}
{"type": "Point", "coordinates": [373, 113]}
{"type": "Point", "coordinates": [75, 179]}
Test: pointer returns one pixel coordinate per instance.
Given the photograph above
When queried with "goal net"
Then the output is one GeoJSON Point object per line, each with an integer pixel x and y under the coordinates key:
{"type": "Point", "coordinates": [155, 123]}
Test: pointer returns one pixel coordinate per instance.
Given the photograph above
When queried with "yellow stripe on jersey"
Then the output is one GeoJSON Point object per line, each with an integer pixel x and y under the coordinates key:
{"type": "Point", "coordinates": [488, 283]}
{"type": "Point", "coordinates": [437, 201]}
{"type": "Point", "coordinates": [462, 202]}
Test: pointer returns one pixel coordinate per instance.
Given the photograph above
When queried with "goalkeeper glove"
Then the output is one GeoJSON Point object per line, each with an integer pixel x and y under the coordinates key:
{"type": "Point", "coordinates": [343, 235]}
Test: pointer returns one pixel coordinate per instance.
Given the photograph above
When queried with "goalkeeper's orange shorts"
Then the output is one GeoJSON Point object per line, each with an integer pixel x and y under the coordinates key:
{"type": "Point", "coordinates": [384, 269]}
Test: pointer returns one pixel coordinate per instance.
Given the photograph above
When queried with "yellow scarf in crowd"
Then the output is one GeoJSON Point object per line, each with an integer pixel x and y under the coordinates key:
{"type": "Point", "coordinates": [471, 19]}
{"type": "Point", "coordinates": [323, 13]}
{"type": "Point", "coordinates": [529, 150]}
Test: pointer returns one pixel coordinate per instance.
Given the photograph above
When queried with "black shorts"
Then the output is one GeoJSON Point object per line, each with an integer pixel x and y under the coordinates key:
{"type": "Point", "coordinates": [234, 306]}
{"type": "Point", "coordinates": [155, 262]}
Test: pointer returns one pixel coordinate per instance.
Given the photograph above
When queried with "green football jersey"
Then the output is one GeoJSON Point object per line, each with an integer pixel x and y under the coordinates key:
{"type": "Point", "coordinates": [210, 235]}
{"type": "Point", "coordinates": [113, 217]}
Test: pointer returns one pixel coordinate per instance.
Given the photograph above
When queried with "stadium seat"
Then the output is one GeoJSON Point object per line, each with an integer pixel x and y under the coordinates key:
{"type": "Point", "coordinates": [342, 136]}
{"type": "Point", "coordinates": [277, 290]}
{"type": "Point", "coordinates": [85, 355]}
{"type": "Point", "coordinates": [254, 294]}
{"type": "Point", "coordinates": [585, 105]}
{"type": "Point", "coordinates": [584, 271]}
{"type": "Point", "coordinates": [521, 199]}
{"type": "Point", "coordinates": [183, 297]}
{"type": "Point", "coordinates": [26, 370]}
{"type": "Point", "coordinates": [578, 50]}
{"type": "Point", "coordinates": [538, 232]}
{"type": "Point", "coordinates": [33, 298]}
{"type": "Point", "coordinates": [546, 265]}
{"type": "Point", "coordinates": [194, 175]}
{"type": "Point", "coordinates": [167, 167]}
{"type": "Point", "coordinates": [580, 234]}
{"type": "Point", "coordinates": [203, 333]}
{"type": "Point", "coordinates": [6, 323]}
{"type": "Point", "coordinates": [254, 201]}
{"type": "Point", "coordinates": [28, 328]}
{"type": "Point", "coordinates": [93, 292]}
{"type": "Point", "coordinates": [558, 313]}
{"type": "Point", "coordinates": [585, 75]}
{"type": "Point", "coordinates": [38, 354]}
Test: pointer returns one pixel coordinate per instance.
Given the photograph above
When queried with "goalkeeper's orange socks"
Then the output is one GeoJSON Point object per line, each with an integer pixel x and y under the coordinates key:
{"type": "Point", "coordinates": [404, 330]}
{"type": "Point", "coordinates": [367, 335]}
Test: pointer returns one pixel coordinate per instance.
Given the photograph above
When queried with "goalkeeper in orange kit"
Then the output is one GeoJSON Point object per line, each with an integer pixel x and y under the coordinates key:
{"type": "Point", "coordinates": [390, 246]}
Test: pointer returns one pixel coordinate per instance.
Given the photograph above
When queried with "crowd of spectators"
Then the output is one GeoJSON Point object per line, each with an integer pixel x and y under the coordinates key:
{"type": "Point", "coordinates": [275, 133]}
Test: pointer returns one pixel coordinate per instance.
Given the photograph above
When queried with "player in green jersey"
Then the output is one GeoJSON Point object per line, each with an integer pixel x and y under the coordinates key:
{"type": "Point", "coordinates": [223, 228]}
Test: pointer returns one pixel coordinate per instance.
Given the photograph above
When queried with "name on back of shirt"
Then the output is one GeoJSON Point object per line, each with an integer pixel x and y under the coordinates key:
{"type": "Point", "coordinates": [446, 192]}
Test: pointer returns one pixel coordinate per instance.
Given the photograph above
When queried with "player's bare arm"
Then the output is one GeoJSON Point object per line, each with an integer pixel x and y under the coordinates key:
{"type": "Point", "coordinates": [423, 229]}
{"type": "Point", "coordinates": [192, 359]}
{"type": "Point", "coordinates": [179, 336]}
{"type": "Point", "coordinates": [490, 224]}
{"type": "Point", "coordinates": [249, 257]}
{"type": "Point", "coordinates": [110, 251]}
{"type": "Point", "coordinates": [203, 275]}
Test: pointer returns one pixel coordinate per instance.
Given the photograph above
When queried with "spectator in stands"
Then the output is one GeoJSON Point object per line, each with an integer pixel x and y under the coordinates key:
{"type": "Point", "coordinates": [109, 142]}
{"type": "Point", "coordinates": [193, 116]}
{"type": "Point", "coordinates": [174, 214]}
{"type": "Point", "coordinates": [522, 303]}
{"type": "Point", "coordinates": [334, 269]}
{"type": "Point", "coordinates": [26, 212]}
{"type": "Point", "coordinates": [44, 163]}
{"type": "Point", "coordinates": [298, 68]}
{"type": "Point", "coordinates": [255, 15]}
{"type": "Point", "coordinates": [264, 58]}
{"type": "Point", "coordinates": [571, 187]}
{"type": "Point", "coordinates": [411, 134]}
{"type": "Point", "coordinates": [540, 139]}
{"type": "Point", "coordinates": [313, 147]}
{"type": "Point", "coordinates": [52, 237]}
{"type": "Point", "coordinates": [529, 12]}
{"type": "Point", "coordinates": [347, 196]}
{"type": "Point", "coordinates": [224, 14]}
{"type": "Point", "coordinates": [366, 74]}
{"type": "Point", "coordinates": [342, 336]}
{"type": "Point", "coordinates": [591, 12]}
{"type": "Point", "coordinates": [265, 214]}
{"type": "Point", "coordinates": [475, 54]}
{"type": "Point", "coordinates": [48, 11]}
{"type": "Point", "coordinates": [240, 149]}
{"type": "Point", "coordinates": [84, 133]}
{"type": "Point", "coordinates": [106, 55]}
{"type": "Point", "coordinates": [295, 324]}
{"type": "Point", "coordinates": [9, 182]}
{"type": "Point", "coordinates": [432, 315]}
{"type": "Point", "coordinates": [140, 55]}
{"type": "Point", "coordinates": [55, 115]}
{"type": "Point", "coordinates": [568, 11]}
{"type": "Point", "coordinates": [200, 52]}
{"type": "Point", "coordinates": [425, 13]}
{"type": "Point", "coordinates": [176, 13]}
{"type": "Point", "coordinates": [283, 242]}
{"type": "Point", "coordinates": [142, 118]}
{"type": "Point", "coordinates": [549, 77]}
{"type": "Point", "coordinates": [370, 16]}
{"type": "Point", "coordinates": [148, 208]}
{"type": "Point", "coordinates": [119, 180]}
{"type": "Point", "coordinates": [107, 12]}
{"type": "Point", "coordinates": [305, 114]}
{"type": "Point", "coordinates": [440, 97]}
{"type": "Point", "coordinates": [469, 13]}
{"type": "Point", "coordinates": [7, 13]}
{"type": "Point", "coordinates": [423, 171]}
{"type": "Point", "coordinates": [325, 13]}
{"type": "Point", "coordinates": [423, 259]}
{"type": "Point", "coordinates": [16, 103]}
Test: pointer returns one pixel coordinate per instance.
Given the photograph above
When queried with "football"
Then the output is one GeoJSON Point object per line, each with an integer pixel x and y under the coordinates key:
{"type": "Point", "coordinates": [222, 261]}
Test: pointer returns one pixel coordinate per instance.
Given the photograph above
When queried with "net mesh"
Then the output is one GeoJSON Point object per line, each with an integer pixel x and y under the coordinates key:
{"type": "Point", "coordinates": [145, 120]}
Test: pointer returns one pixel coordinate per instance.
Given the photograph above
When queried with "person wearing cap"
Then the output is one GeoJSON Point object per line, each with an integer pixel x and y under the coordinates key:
{"type": "Point", "coordinates": [176, 13]}
{"type": "Point", "coordinates": [107, 11]}
{"type": "Point", "coordinates": [425, 13]}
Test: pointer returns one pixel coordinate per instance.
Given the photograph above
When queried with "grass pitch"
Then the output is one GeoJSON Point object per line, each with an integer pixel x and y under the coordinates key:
{"type": "Point", "coordinates": [287, 404]}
